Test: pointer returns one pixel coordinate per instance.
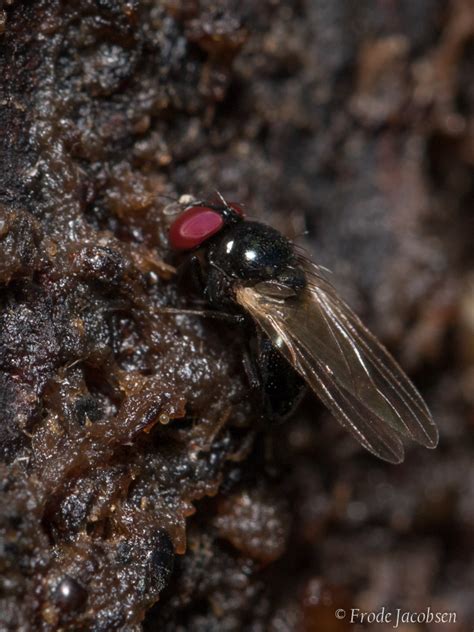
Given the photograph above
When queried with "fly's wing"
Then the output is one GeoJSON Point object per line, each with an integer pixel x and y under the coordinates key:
{"type": "Point", "coordinates": [345, 365]}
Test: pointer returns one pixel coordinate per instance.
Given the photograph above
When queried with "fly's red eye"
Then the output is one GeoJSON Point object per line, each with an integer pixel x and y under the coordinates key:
{"type": "Point", "coordinates": [237, 208]}
{"type": "Point", "coordinates": [194, 226]}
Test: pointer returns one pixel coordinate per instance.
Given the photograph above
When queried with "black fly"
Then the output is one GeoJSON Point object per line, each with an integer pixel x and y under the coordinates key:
{"type": "Point", "coordinates": [251, 269]}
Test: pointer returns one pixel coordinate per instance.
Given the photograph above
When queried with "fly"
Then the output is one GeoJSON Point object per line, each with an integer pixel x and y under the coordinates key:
{"type": "Point", "coordinates": [250, 269]}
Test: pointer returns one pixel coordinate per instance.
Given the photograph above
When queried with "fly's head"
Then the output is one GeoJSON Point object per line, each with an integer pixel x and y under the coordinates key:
{"type": "Point", "coordinates": [198, 223]}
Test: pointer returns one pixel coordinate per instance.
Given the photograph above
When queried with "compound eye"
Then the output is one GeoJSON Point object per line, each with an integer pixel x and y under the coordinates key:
{"type": "Point", "coordinates": [194, 226]}
{"type": "Point", "coordinates": [237, 208]}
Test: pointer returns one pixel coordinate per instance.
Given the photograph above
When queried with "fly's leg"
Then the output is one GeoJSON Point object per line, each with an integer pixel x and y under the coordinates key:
{"type": "Point", "coordinates": [235, 319]}
{"type": "Point", "coordinates": [218, 288]}
{"type": "Point", "coordinates": [191, 271]}
{"type": "Point", "coordinates": [251, 371]}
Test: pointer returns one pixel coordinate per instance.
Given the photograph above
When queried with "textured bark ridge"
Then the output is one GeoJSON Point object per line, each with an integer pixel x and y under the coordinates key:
{"type": "Point", "coordinates": [137, 489]}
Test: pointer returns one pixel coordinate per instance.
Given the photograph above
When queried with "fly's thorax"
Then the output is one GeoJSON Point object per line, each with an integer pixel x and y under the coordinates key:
{"type": "Point", "coordinates": [251, 252]}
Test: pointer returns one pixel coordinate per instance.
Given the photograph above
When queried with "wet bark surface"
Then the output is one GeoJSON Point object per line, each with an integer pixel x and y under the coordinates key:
{"type": "Point", "coordinates": [139, 487]}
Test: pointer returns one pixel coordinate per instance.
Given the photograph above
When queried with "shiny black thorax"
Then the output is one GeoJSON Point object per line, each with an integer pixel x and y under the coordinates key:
{"type": "Point", "coordinates": [247, 253]}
